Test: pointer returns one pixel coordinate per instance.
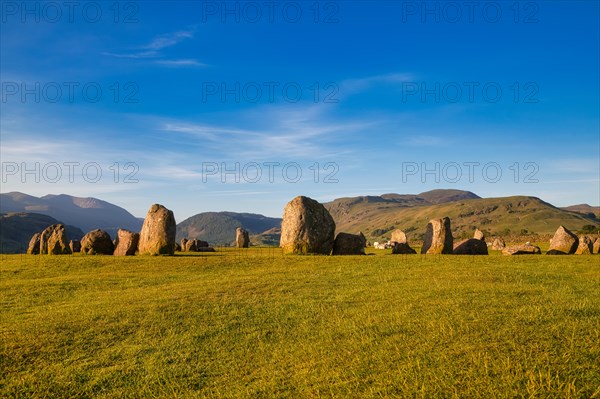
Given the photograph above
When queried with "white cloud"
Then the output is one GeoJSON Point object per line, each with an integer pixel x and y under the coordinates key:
{"type": "Point", "coordinates": [275, 132]}
{"type": "Point", "coordinates": [169, 40]}
{"type": "Point", "coordinates": [353, 86]}
{"type": "Point", "coordinates": [181, 63]}
{"type": "Point", "coordinates": [154, 50]}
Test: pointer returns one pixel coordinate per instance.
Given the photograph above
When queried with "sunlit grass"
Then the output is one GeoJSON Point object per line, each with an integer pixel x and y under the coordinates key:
{"type": "Point", "coordinates": [252, 323]}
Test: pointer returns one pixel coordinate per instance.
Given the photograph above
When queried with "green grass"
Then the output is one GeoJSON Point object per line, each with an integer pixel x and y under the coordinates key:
{"type": "Point", "coordinates": [255, 324]}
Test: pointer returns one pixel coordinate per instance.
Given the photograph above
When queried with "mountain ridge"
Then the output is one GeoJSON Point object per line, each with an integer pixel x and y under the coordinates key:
{"type": "Point", "coordinates": [87, 213]}
{"type": "Point", "coordinates": [374, 215]}
{"type": "Point", "coordinates": [18, 228]}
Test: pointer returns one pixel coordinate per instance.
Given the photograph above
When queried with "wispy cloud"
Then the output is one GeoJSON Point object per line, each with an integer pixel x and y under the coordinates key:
{"type": "Point", "coordinates": [135, 55]}
{"type": "Point", "coordinates": [154, 50]}
{"type": "Point", "coordinates": [353, 86]}
{"type": "Point", "coordinates": [169, 40]}
{"type": "Point", "coordinates": [276, 132]}
{"type": "Point", "coordinates": [181, 63]}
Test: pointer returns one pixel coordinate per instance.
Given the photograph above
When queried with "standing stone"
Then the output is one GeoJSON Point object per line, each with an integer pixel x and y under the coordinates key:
{"type": "Point", "coordinates": [596, 247]}
{"type": "Point", "coordinates": [307, 228]}
{"type": "Point", "coordinates": [242, 239]}
{"type": "Point", "coordinates": [438, 237]}
{"type": "Point", "coordinates": [97, 242]}
{"type": "Point", "coordinates": [399, 237]}
{"type": "Point", "coordinates": [585, 247]}
{"type": "Point", "coordinates": [402, 249]}
{"type": "Point", "coordinates": [479, 235]}
{"type": "Point", "coordinates": [75, 246]}
{"type": "Point", "coordinates": [563, 242]}
{"type": "Point", "coordinates": [471, 246]}
{"type": "Point", "coordinates": [183, 243]}
{"type": "Point", "coordinates": [158, 232]}
{"type": "Point", "coordinates": [201, 244]}
{"type": "Point", "coordinates": [34, 244]}
{"type": "Point", "coordinates": [53, 241]}
{"type": "Point", "coordinates": [349, 244]}
{"type": "Point", "coordinates": [526, 249]}
{"type": "Point", "coordinates": [498, 244]}
{"type": "Point", "coordinates": [177, 247]}
{"type": "Point", "coordinates": [190, 246]}
{"type": "Point", "coordinates": [127, 243]}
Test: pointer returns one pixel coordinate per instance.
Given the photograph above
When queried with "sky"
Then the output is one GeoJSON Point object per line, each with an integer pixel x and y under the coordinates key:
{"type": "Point", "coordinates": [241, 106]}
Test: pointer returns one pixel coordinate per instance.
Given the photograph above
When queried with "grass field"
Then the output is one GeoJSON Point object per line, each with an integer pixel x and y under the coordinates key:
{"type": "Point", "coordinates": [256, 324]}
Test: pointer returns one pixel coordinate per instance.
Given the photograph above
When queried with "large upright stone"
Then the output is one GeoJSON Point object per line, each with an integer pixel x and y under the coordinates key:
{"type": "Point", "coordinates": [126, 243]}
{"type": "Point", "coordinates": [242, 239]}
{"type": "Point", "coordinates": [34, 244]}
{"type": "Point", "coordinates": [158, 232]}
{"type": "Point", "coordinates": [585, 247]}
{"type": "Point", "coordinates": [53, 241]}
{"type": "Point", "coordinates": [399, 237]}
{"type": "Point", "coordinates": [471, 246]}
{"type": "Point", "coordinates": [438, 237]}
{"type": "Point", "coordinates": [307, 228]}
{"type": "Point", "coordinates": [563, 242]}
{"type": "Point", "coordinates": [97, 242]}
{"type": "Point", "coordinates": [183, 243]}
{"type": "Point", "coordinates": [349, 244]}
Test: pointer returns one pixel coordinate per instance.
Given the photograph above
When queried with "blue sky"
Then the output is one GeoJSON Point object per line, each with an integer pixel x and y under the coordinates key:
{"type": "Point", "coordinates": [377, 97]}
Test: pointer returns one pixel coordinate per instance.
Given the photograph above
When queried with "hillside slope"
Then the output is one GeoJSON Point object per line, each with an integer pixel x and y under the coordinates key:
{"type": "Point", "coordinates": [496, 216]}
{"type": "Point", "coordinates": [584, 209]}
{"type": "Point", "coordinates": [85, 213]}
{"type": "Point", "coordinates": [218, 228]}
{"type": "Point", "coordinates": [16, 229]}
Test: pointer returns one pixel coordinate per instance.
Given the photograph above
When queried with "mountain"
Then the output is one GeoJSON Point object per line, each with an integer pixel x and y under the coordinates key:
{"type": "Point", "coordinates": [270, 237]}
{"type": "Point", "coordinates": [376, 216]}
{"type": "Point", "coordinates": [86, 213]}
{"type": "Point", "coordinates": [218, 228]}
{"type": "Point", "coordinates": [16, 230]}
{"type": "Point", "coordinates": [585, 209]}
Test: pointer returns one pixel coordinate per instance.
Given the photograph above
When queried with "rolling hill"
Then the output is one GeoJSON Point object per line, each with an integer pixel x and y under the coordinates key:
{"type": "Point", "coordinates": [584, 209]}
{"type": "Point", "coordinates": [376, 217]}
{"type": "Point", "coordinates": [86, 213]}
{"type": "Point", "coordinates": [218, 228]}
{"type": "Point", "coordinates": [18, 228]}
